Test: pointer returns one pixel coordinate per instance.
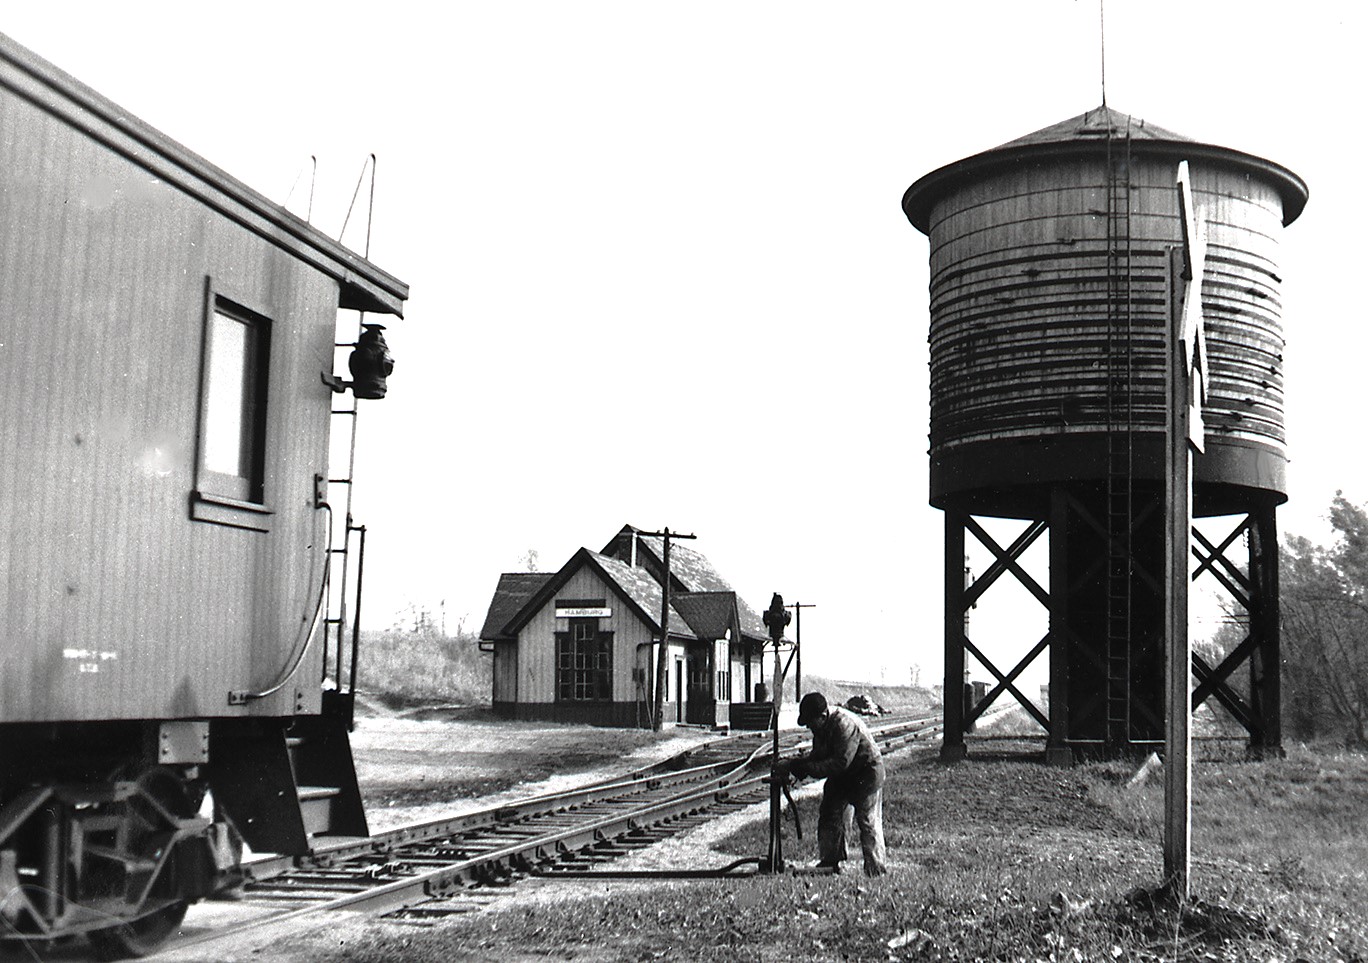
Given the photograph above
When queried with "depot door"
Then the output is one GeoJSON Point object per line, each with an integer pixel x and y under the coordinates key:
{"type": "Point", "coordinates": [699, 708]}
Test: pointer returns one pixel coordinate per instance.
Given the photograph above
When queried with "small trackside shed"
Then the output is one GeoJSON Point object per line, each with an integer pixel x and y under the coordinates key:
{"type": "Point", "coordinates": [581, 644]}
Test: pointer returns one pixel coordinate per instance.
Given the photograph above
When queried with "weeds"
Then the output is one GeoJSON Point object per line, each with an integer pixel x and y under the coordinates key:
{"type": "Point", "coordinates": [402, 669]}
{"type": "Point", "coordinates": [989, 860]}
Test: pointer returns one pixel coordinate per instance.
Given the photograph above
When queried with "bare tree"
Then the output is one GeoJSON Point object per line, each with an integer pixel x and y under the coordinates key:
{"type": "Point", "coordinates": [1325, 623]}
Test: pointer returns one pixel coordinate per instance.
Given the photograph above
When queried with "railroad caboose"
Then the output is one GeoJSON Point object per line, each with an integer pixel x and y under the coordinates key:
{"type": "Point", "coordinates": [167, 339]}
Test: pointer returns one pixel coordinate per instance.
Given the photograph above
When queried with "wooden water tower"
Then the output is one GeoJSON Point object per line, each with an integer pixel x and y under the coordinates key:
{"type": "Point", "coordinates": [1050, 293]}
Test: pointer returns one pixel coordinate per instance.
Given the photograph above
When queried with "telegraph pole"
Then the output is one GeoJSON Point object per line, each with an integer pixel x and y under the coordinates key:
{"type": "Point", "coordinates": [798, 645]}
{"type": "Point", "coordinates": [1184, 429]}
{"type": "Point", "coordinates": [658, 720]}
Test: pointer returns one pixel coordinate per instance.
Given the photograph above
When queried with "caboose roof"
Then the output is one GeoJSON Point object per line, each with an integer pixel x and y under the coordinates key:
{"type": "Point", "coordinates": [363, 286]}
{"type": "Point", "coordinates": [1087, 134]}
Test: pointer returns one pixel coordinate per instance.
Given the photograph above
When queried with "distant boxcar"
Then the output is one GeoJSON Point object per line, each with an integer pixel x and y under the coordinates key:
{"type": "Point", "coordinates": [164, 333]}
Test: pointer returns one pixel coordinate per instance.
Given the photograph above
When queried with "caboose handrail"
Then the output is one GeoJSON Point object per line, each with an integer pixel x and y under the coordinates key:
{"type": "Point", "coordinates": [240, 698]}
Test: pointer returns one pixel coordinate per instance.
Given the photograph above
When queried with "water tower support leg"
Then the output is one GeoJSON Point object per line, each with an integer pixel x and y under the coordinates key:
{"type": "Point", "coordinates": [1261, 714]}
{"type": "Point", "coordinates": [952, 736]}
{"type": "Point", "coordinates": [1265, 682]}
{"type": "Point", "coordinates": [1057, 751]}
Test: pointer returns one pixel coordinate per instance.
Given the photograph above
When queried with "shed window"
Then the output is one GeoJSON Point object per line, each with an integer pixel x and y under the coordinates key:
{"type": "Point", "coordinates": [584, 663]}
{"type": "Point", "coordinates": [232, 442]}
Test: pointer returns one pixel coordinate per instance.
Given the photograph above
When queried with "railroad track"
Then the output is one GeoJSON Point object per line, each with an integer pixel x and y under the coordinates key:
{"type": "Point", "coordinates": [443, 867]}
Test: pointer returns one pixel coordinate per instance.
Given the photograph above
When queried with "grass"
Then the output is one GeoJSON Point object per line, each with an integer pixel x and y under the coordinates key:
{"type": "Point", "coordinates": [902, 698]}
{"type": "Point", "coordinates": [998, 858]}
{"type": "Point", "coordinates": [403, 669]}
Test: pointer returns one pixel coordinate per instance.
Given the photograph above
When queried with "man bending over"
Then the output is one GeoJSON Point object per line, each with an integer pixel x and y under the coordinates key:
{"type": "Point", "coordinates": [844, 754]}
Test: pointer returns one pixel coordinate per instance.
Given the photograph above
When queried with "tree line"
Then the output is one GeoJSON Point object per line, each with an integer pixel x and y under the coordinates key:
{"type": "Point", "coordinates": [1324, 596]}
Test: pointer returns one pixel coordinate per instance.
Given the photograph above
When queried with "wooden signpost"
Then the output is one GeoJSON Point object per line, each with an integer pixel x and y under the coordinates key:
{"type": "Point", "coordinates": [1185, 431]}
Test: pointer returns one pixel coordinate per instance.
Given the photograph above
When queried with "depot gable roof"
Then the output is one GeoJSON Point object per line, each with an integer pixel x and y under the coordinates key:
{"type": "Point", "coordinates": [693, 572]}
{"type": "Point", "coordinates": [702, 604]}
{"type": "Point", "coordinates": [633, 587]}
{"type": "Point", "coordinates": [511, 594]}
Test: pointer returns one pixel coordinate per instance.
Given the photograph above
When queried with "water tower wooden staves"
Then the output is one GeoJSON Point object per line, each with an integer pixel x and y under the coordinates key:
{"type": "Point", "coordinates": [1050, 292]}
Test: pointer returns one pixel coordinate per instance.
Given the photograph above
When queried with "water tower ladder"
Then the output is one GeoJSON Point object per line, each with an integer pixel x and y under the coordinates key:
{"type": "Point", "coordinates": [1120, 436]}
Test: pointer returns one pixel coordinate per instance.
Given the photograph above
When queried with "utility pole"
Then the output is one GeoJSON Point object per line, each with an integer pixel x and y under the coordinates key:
{"type": "Point", "coordinates": [658, 720]}
{"type": "Point", "coordinates": [798, 645]}
{"type": "Point", "coordinates": [1186, 383]}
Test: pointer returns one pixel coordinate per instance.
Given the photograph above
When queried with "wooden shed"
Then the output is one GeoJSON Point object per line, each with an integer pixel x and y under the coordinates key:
{"type": "Point", "coordinates": [581, 644]}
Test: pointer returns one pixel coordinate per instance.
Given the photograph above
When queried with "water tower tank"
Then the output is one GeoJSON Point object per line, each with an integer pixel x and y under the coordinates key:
{"type": "Point", "coordinates": [1050, 290]}
{"type": "Point", "coordinates": [1047, 253]}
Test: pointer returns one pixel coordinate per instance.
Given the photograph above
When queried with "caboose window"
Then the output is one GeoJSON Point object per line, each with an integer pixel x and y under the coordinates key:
{"type": "Point", "coordinates": [232, 442]}
{"type": "Point", "coordinates": [584, 663]}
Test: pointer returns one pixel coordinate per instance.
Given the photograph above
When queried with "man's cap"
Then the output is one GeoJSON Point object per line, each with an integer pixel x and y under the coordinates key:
{"type": "Point", "coordinates": [812, 706]}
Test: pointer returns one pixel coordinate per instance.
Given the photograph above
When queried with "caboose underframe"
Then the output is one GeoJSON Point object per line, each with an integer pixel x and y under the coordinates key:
{"type": "Point", "coordinates": [113, 828]}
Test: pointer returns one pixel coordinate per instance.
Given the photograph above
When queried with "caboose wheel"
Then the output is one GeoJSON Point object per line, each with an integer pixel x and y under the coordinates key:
{"type": "Point", "coordinates": [137, 938]}
{"type": "Point", "coordinates": [148, 815]}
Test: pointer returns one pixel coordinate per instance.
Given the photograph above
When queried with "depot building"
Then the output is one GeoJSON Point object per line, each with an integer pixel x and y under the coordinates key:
{"type": "Point", "coordinates": [581, 644]}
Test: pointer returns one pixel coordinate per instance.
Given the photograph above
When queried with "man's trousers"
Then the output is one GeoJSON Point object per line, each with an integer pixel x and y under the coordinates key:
{"type": "Point", "coordinates": [862, 792]}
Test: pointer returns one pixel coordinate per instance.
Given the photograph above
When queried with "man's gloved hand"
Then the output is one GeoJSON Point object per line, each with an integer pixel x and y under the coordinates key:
{"type": "Point", "coordinates": [797, 768]}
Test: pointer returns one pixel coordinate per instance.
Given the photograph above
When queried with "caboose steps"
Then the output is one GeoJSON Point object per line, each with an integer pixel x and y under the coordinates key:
{"type": "Point", "coordinates": [284, 786]}
{"type": "Point", "coordinates": [316, 806]}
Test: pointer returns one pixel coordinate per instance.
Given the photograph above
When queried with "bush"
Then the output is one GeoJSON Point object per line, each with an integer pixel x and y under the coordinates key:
{"type": "Point", "coordinates": [424, 668]}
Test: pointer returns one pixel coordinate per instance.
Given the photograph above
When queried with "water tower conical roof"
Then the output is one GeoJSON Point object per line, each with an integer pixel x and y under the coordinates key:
{"type": "Point", "coordinates": [1093, 125]}
{"type": "Point", "coordinates": [1087, 133]}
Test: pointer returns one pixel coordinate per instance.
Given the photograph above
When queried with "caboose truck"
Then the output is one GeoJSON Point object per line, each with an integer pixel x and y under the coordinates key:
{"type": "Point", "coordinates": [167, 346]}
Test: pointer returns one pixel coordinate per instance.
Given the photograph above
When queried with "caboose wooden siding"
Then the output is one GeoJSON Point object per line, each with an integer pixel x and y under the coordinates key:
{"type": "Point", "coordinates": [114, 245]}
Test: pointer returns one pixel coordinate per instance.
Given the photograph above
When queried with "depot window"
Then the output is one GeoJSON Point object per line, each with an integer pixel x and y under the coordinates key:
{"type": "Point", "coordinates": [232, 439]}
{"type": "Point", "coordinates": [584, 663]}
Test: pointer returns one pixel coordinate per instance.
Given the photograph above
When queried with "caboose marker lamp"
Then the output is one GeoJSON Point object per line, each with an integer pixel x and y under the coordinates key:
{"type": "Point", "coordinates": [370, 364]}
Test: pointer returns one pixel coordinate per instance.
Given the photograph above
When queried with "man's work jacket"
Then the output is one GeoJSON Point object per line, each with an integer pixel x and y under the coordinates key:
{"type": "Point", "coordinates": [842, 748]}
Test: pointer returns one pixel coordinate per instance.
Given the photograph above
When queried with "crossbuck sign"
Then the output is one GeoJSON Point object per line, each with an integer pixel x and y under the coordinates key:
{"type": "Point", "coordinates": [1192, 330]}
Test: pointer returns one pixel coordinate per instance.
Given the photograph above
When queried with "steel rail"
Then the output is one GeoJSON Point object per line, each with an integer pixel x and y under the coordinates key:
{"type": "Point", "coordinates": [512, 817]}
{"type": "Point", "coordinates": [501, 815]}
{"type": "Point", "coordinates": [405, 878]}
{"type": "Point", "coordinates": [640, 781]}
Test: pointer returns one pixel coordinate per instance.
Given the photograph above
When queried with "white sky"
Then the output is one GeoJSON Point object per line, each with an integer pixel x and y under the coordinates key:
{"type": "Point", "coordinates": [659, 270]}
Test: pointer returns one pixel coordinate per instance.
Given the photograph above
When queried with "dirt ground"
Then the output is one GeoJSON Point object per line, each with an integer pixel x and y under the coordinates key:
{"type": "Point", "coordinates": [429, 763]}
{"type": "Point", "coordinates": [422, 764]}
